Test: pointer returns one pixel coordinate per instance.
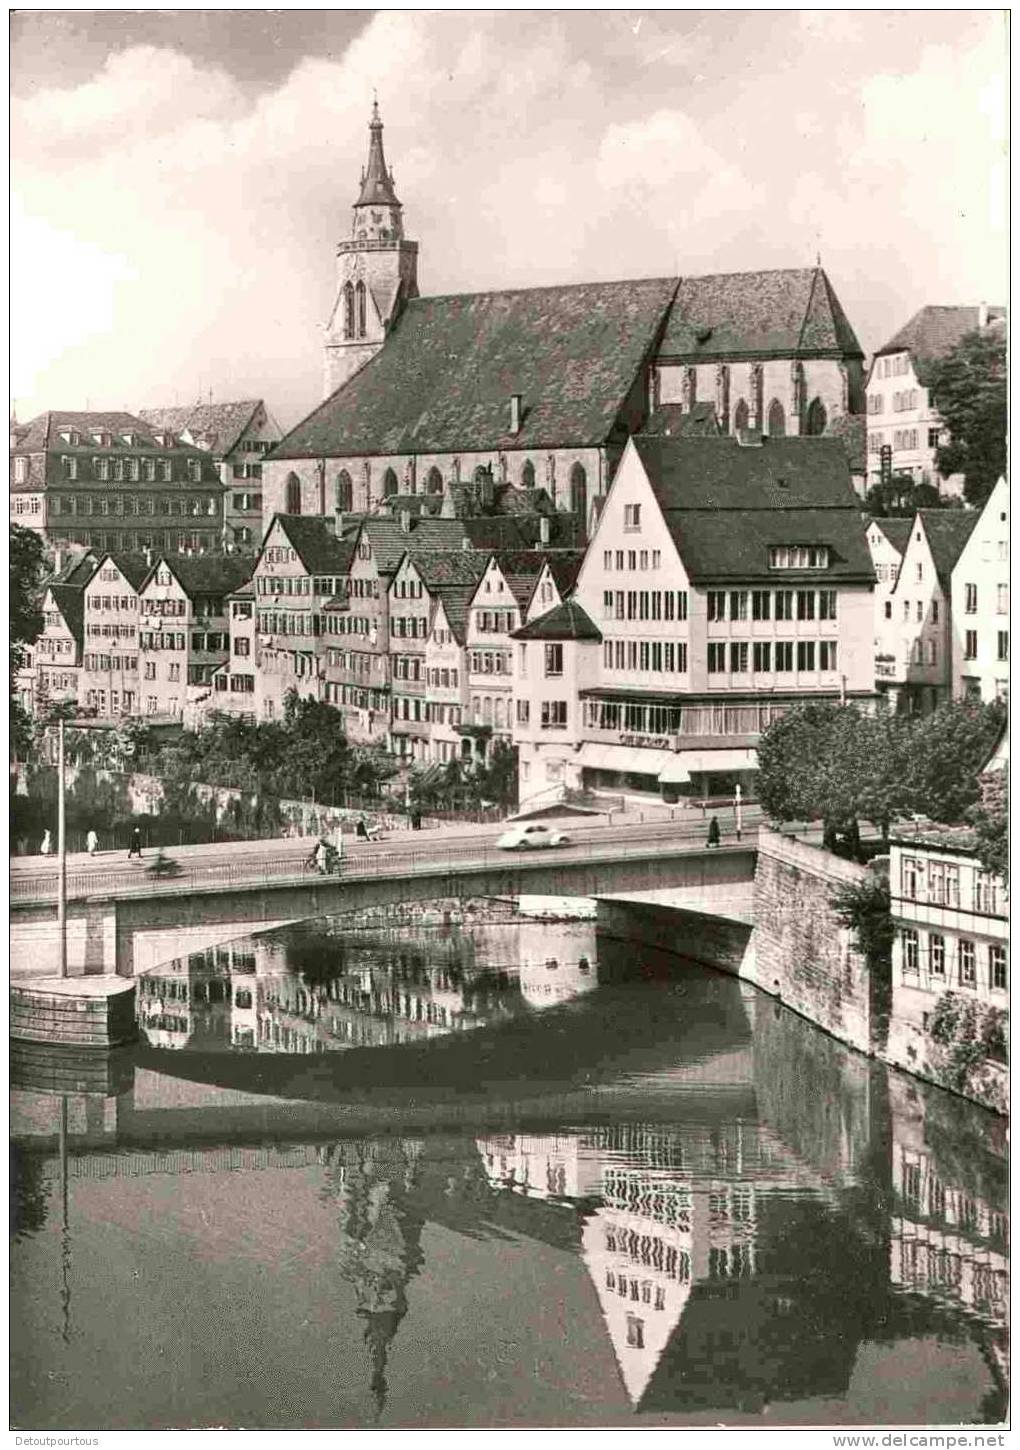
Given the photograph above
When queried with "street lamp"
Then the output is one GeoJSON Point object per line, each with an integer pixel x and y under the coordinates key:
{"type": "Point", "coordinates": [62, 842]}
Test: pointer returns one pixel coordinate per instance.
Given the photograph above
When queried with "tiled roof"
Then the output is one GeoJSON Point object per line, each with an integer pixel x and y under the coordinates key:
{"type": "Point", "coordinates": [42, 431]}
{"type": "Point", "coordinates": [134, 567]}
{"type": "Point", "coordinates": [933, 332]}
{"type": "Point", "coordinates": [947, 531]}
{"type": "Point", "coordinates": [456, 602]}
{"type": "Point", "coordinates": [439, 569]}
{"type": "Point", "coordinates": [217, 574]}
{"type": "Point", "coordinates": [70, 600]}
{"type": "Point", "coordinates": [565, 565]}
{"type": "Point", "coordinates": [390, 542]}
{"type": "Point", "coordinates": [317, 546]}
{"type": "Point", "coordinates": [792, 313]}
{"type": "Point", "coordinates": [726, 505]}
{"type": "Point", "coordinates": [443, 381]}
{"type": "Point", "coordinates": [852, 428]}
{"type": "Point", "coordinates": [671, 420]}
{"type": "Point", "coordinates": [79, 569]}
{"type": "Point", "coordinates": [221, 423]}
{"type": "Point", "coordinates": [897, 531]}
{"type": "Point", "coordinates": [566, 621]}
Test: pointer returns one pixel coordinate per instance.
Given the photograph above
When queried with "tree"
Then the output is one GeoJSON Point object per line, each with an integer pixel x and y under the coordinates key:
{"type": "Point", "coordinates": [990, 818]}
{"type": "Point", "coordinates": [901, 497]}
{"type": "Point", "coordinates": [28, 568]}
{"type": "Point", "coordinates": [968, 387]}
{"type": "Point", "coordinates": [947, 749]}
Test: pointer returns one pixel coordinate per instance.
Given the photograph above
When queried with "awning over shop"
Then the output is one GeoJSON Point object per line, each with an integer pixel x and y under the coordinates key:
{"type": "Point", "coordinates": [715, 762]}
{"type": "Point", "coordinates": [626, 758]}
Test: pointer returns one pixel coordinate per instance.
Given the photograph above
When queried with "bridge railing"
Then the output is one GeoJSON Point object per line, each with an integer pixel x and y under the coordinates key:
{"type": "Point", "coordinates": [286, 868]}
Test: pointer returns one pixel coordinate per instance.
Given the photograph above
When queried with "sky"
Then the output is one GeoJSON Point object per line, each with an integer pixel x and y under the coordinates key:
{"type": "Point", "coordinates": [180, 178]}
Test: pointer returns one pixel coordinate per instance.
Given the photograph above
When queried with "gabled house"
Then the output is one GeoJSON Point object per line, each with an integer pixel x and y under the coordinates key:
{"type": "Point", "coordinates": [980, 594]}
{"type": "Point", "coordinates": [236, 436]}
{"type": "Point", "coordinates": [902, 413]}
{"type": "Point", "coordinates": [727, 581]}
{"type": "Point", "coordinates": [109, 675]}
{"type": "Point", "coordinates": [887, 539]}
{"type": "Point", "coordinates": [234, 680]}
{"type": "Point", "coordinates": [917, 629]}
{"type": "Point", "coordinates": [183, 630]}
{"type": "Point", "coordinates": [446, 677]}
{"type": "Point", "coordinates": [421, 581]}
{"type": "Point", "coordinates": [300, 581]}
{"type": "Point", "coordinates": [57, 652]}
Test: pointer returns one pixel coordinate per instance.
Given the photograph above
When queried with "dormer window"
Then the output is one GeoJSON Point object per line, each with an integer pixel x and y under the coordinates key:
{"type": "Point", "coordinates": [799, 556]}
{"type": "Point", "coordinates": [103, 440]}
{"type": "Point", "coordinates": [165, 440]}
{"type": "Point", "coordinates": [71, 436]}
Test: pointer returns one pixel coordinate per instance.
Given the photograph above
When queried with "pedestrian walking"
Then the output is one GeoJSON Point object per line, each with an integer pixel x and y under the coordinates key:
{"type": "Point", "coordinates": [135, 848]}
{"type": "Point", "coordinates": [361, 829]}
{"type": "Point", "coordinates": [713, 831]}
{"type": "Point", "coordinates": [47, 845]}
{"type": "Point", "coordinates": [92, 843]}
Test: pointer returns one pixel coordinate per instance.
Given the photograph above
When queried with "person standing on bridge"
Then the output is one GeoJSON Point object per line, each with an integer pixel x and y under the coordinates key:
{"type": "Point", "coordinates": [92, 843]}
{"type": "Point", "coordinates": [713, 831]}
{"type": "Point", "coordinates": [135, 848]}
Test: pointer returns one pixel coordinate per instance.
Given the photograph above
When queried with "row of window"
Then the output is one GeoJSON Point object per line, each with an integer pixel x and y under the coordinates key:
{"type": "Point", "coordinates": [247, 470]}
{"type": "Point", "coordinates": [237, 684]}
{"type": "Point", "coordinates": [495, 621]}
{"type": "Point", "coordinates": [302, 585]}
{"type": "Point", "coordinates": [964, 972]}
{"type": "Point", "coordinates": [96, 662]}
{"type": "Point", "coordinates": [667, 657]}
{"type": "Point", "coordinates": [892, 367]}
{"type": "Point", "coordinates": [121, 702]}
{"type": "Point", "coordinates": [408, 626]}
{"type": "Point", "coordinates": [970, 599]}
{"type": "Point", "coordinates": [111, 631]}
{"type": "Point", "coordinates": [31, 505]}
{"type": "Point", "coordinates": [131, 470]}
{"type": "Point", "coordinates": [631, 559]}
{"type": "Point", "coordinates": [490, 662]}
{"type": "Point", "coordinates": [665, 604]}
{"type": "Point", "coordinates": [48, 646]}
{"type": "Point", "coordinates": [672, 719]}
{"type": "Point", "coordinates": [773, 656]}
{"type": "Point", "coordinates": [970, 645]}
{"type": "Point", "coordinates": [167, 640]}
{"type": "Point", "coordinates": [113, 603]}
{"type": "Point", "coordinates": [181, 543]}
{"type": "Point", "coordinates": [88, 505]}
{"type": "Point", "coordinates": [938, 884]}
{"type": "Point", "coordinates": [763, 604]}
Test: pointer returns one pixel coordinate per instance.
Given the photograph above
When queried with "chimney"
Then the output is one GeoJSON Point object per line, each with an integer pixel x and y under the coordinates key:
{"type": "Point", "coordinates": [515, 413]}
{"type": "Point", "coordinates": [543, 529]}
{"type": "Point", "coordinates": [147, 551]}
{"type": "Point", "coordinates": [405, 521]}
{"type": "Point", "coordinates": [982, 315]}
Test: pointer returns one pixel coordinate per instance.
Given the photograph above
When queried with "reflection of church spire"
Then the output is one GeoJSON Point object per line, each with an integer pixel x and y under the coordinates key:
{"type": "Point", "coordinates": [380, 1245]}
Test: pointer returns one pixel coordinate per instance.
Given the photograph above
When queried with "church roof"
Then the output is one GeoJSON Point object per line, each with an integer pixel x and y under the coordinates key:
{"type": "Point", "coordinates": [444, 379]}
{"type": "Point", "coordinates": [934, 332]}
{"type": "Point", "coordinates": [220, 424]}
{"type": "Point", "coordinates": [789, 312]}
{"type": "Point", "coordinates": [726, 505]}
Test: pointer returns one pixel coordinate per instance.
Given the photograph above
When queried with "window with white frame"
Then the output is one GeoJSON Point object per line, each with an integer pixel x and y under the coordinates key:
{"type": "Point", "coordinates": [937, 955]}
{"type": "Point", "coordinates": [998, 970]}
{"type": "Point", "coordinates": [967, 962]}
{"type": "Point", "coordinates": [908, 938]}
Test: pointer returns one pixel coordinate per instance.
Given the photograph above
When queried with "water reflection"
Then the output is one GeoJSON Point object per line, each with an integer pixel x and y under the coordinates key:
{"type": "Point", "coordinates": [321, 987]}
{"type": "Point", "coordinates": [754, 1226]}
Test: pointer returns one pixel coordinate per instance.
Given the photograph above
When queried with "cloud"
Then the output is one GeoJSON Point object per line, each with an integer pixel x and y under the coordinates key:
{"type": "Point", "coordinates": [179, 226]}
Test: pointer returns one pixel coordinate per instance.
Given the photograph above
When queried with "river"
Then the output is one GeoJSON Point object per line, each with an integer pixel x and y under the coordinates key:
{"type": "Point", "coordinates": [501, 1174]}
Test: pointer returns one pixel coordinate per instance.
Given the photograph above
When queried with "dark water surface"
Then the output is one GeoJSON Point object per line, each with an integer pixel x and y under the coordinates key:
{"type": "Point", "coordinates": [504, 1175]}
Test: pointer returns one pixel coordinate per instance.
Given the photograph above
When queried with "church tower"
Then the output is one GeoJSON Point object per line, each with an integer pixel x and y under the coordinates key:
{"type": "Point", "coordinates": [377, 270]}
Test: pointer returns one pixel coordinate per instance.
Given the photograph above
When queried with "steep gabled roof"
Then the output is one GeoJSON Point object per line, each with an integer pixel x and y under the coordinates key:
{"type": "Point", "coordinates": [443, 381]}
{"type": "Point", "coordinates": [933, 333]}
{"type": "Point", "coordinates": [313, 540]}
{"type": "Point", "coordinates": [793, 313]}
{"type": "Point", "coordinates": [441, 569]}
{"type": "Point", "coordinates": [726, 505]}
{"type": "Point", "coordinates": [897, 531]}
{"type": "Point", "coordinates": [217, 574]}
{"type": "Point", "coordinates": [565, 621]}
{"type": "Point", "coordinates": [455, 601]}
{"type": "Point", "coordinates": [947, 532]}
{"type": "Point", "coordinates": [134, 567]}
{"type": "Point", "coordinates": [70, 600]}
{"type": "Point", "coordinates": [77, 570]}
{"type": "Point", "coordinates": [390, 541]}
{"type": "Point", "coordinates": [221, 424]}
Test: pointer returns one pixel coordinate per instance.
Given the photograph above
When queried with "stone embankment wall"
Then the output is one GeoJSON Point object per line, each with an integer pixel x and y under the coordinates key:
{"type": "Point", "coordinates": [802, 952]}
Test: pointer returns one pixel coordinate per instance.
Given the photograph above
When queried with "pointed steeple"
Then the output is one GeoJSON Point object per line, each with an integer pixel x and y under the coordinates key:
{"type": "Point", "coordinates": [376, 180]}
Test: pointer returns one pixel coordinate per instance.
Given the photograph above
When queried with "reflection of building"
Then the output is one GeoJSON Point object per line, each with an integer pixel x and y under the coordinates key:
{"type": "Point", "coordinates": [950, 1230]}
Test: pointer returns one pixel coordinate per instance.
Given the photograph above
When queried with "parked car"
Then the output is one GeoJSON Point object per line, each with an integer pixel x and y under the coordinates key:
{"type": "Point", "coordinates": [528, 835]}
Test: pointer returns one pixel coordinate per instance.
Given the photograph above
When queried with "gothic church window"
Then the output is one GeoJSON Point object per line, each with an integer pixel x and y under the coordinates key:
{"type": "Point", "coordinates": [359, 294]}
{"type": "Point", "coordinates": [741, 416]}
{"type": "Point", "coordinates": [528, 474]}
{"type": "Point", "coordinates": [344, 492]}
{"type": "Point", "coordinates": [579, 492]}
{"type": "Point", "coordinates": [348, 310]}
{"type": "Point", "coordinates": [293, 502]}
{"type": "Point", "coordinates": [777, 419]}
{"type": "Point", "coordinates": [434, 481]}
{"type": "Point", "coordinates": [389, 484]}
{"type": "Point", "coordinates": [817, 418]}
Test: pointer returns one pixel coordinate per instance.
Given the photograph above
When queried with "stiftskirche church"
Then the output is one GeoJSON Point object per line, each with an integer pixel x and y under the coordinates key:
{"type": "Point", "coordinates": [541, 387]}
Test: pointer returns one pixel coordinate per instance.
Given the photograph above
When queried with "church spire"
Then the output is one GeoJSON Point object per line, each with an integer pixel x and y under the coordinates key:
{"type": "Point", "coordinates": [376, 180]}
